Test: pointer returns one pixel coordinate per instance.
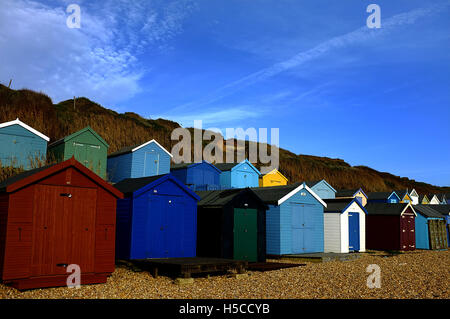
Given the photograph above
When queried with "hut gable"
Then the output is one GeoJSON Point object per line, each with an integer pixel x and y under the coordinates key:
{"type": "Point", "coordinates": [21, 145]}
{"type": "Point", "coordinates": [143, 160]}
{"type": "Point", "coordinates": [89, 148]}
{"type": "Point", "coordinates": [322, 188]}
{"type": "Point", "coordinates": [273, 178]}
{"type": "Point", "coordinates": [238, 175]}
{"type": "Point", "coordinates": [197, 176]}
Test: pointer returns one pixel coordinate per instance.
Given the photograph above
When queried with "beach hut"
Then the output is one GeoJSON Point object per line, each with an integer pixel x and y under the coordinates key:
{"type": "Point", "coordinates": [403, 194]}
{"type": "Point", "coordinates": [344, 226]}
{"type": "Point", "coordinates": [21, 145]}
{"type": "Point", "coordinates": [156, 219]}
{"type": "Point", "coordinates": [442, 199]}
{"type": "Point", "coordinates": [322, 189]}
{"type": "Point", "coordinates": [430, 228]}
{"type": "Point", "coordinates": [201, 176]}
{"type": "Point", "coordinates": [142, 160]}
{"type": "Point", "coordinates": [423, 199]}
{"type": "Point", "coordinates": [232, 225]}
{"type": "Point", "coordinates": [238, 175]}
{"type": "Point", "coordinates": [294, 220]}
{"type": "Point", "coordinates": [353, 193]}
{"type": "Point", "coordinates": [433, 199]}
{"type": "Point", "coordinates": [414, 197]}
{"type": "Point", "coordinates": [383, 197]}
{"type": "Point", "coordinates": [390, 226]}
{"type": "Point", "coordinates": [52, 217]}
{"type": "Point", "coordinates": [86, 146]}
{"type": "Point", "coordinates": [445, 211]}
{"type": "Point", "coordinates": [273, 178]}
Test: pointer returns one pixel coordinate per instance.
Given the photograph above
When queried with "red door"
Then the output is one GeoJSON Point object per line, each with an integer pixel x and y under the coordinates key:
{"type": "Point", "coordinates": [64, 229]}
{"type": "Point", "coordinates": [407, 236]}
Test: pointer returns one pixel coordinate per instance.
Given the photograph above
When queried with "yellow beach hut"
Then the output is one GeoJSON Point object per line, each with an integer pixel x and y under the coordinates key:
{"type": "Point", "coordinates": [273, 178]}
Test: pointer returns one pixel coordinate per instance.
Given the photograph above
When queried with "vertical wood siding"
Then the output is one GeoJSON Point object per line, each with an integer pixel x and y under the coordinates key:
{"type": "Point", "coordinates": [20, 146]}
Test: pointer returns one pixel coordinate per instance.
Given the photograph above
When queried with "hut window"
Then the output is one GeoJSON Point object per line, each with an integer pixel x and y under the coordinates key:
{"type": "Point", "coordinates": [303, 193]}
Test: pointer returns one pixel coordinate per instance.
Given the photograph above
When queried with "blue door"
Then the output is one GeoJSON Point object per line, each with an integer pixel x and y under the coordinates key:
{"type": "Point", "coordinates": [353, 229]}
{"type": "Point", "coordinates": [297, 229]}
{"type": "Point", "coordinates": [154, 231]}
{"type": "Point", "coordinates": [151, 164]}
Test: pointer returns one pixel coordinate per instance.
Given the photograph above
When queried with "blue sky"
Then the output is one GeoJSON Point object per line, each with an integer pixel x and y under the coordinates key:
{"type": "Point", "coordinates": [374, 97]}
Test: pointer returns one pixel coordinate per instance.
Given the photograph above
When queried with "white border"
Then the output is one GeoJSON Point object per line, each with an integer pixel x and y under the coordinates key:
{"type": "Point", "coordinates": [152, 141]}
{"type": "Point", "coordinates": [29, 128]}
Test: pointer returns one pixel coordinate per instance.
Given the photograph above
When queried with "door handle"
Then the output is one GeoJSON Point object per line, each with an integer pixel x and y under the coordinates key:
{"type": "Point", "coordinates": [62, 265]}
{"type": "Point", "coordinates": [65, 195]}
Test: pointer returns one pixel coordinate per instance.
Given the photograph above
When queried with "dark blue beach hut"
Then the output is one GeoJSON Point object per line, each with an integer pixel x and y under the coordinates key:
{"type": "Point", "coordinates": [21, 145]}
{"type": "Point", "coordinates": [156, 219]}
{"type": "Point", "coordinates": [201, 176]}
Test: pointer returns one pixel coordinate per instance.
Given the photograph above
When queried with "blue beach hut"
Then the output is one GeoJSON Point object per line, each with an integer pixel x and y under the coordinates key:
{"type": "Point", "coordinates": [294, 220]}
{"type": "Point", "coordinates": [238, 175]}
{"type": "Point", "coordinates": [21, 145]}
{"type": "Point", "coordinates": [156, 219]}
{"type": "Point", "coordinates": [430, 228]}
{"type": "Point", "coordinates": [148, 159]}
{"type": "Point", "coordinates": [322, 189]}
{"type": "Point", "coordinates": [201, 176]}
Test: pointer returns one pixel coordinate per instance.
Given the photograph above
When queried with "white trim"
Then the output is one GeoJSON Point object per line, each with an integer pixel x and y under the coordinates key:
{"type": "Point", "coordinates": [412, 208]}
{"type": "Point", "coordinates": [413, 191]}
{"type": "Point", "coordinates": [29, 128]}
{"type": "Point", "coordinates": [152, 141]}
{"type": "Point", "coordinates": [295, 191]}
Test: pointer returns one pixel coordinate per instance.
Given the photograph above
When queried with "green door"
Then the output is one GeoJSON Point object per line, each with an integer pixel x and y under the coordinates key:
{"type": "Point", "coordinates": [79, 152]}
{"type": "Point", "coordinates": [245, 234]}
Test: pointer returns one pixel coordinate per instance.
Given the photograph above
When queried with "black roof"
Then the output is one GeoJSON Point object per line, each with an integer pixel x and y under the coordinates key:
{"type": "Point", "coordinates": [346, 192]}
{"type": "Point", "coordinates": [222, 197]}
{"type": "Point", "coordinates": [385, 208]}
{"type": "Point", "coordinates": [443, 209]}
{"type": "Point", "coordinates": [427, 211]}
{"type": "Point", "coordinates": [378, 195]}
{"type": "Point", "coordinates": [271, 195]}
{"type": "Point", "coordinates": [312, 183]}
{"type": "Point", "coordinates": [225, 166]}
{"type": "Point", "coordinates": [124, 150]}
{"type": "Point", "coordinates": [129, 185]}
{"type": "Point", "coordinates": [18, 177]}
{"type": "Point", "coordinates": [174, 167]}
{"type": "Point", "coordinates": [337, 204]}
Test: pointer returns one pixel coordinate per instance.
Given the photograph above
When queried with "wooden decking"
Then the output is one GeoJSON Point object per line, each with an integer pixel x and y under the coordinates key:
{"type": "Point", "coordinates": [185, 267]}
{"type": "Point", "coordinates": [319, 257]}
{"type": "Point", "coordinates": [268, 266]}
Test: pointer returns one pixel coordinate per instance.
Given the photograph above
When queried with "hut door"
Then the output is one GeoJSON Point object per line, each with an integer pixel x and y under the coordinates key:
{"type": "Point", "coordinates": [79, 152]}
{"type": "Point", "coordinates": [151, 165]}
{"type": "Point", "coordinates": [64, 229]}
{"type": "Point", "coordinates": [302, 229]}
{"type": "Point", "coordinates": [245, 241]}
{"type": "Point", "coordinates": [407, 236]}
{"type": "Point", "coordinates": [353, 231]}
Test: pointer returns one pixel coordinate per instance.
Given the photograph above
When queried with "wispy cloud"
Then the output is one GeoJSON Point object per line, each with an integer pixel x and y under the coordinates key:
{"type": "Point", "coordinates": [218, 116]}
{"type": "Point", "coordinates": [359, 35]}
{"type": "Point", "coordinates": [100, 60]}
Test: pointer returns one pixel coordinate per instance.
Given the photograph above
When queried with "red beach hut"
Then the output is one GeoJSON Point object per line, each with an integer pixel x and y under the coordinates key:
{"type": "Point", "coordinates": [52, 217]}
